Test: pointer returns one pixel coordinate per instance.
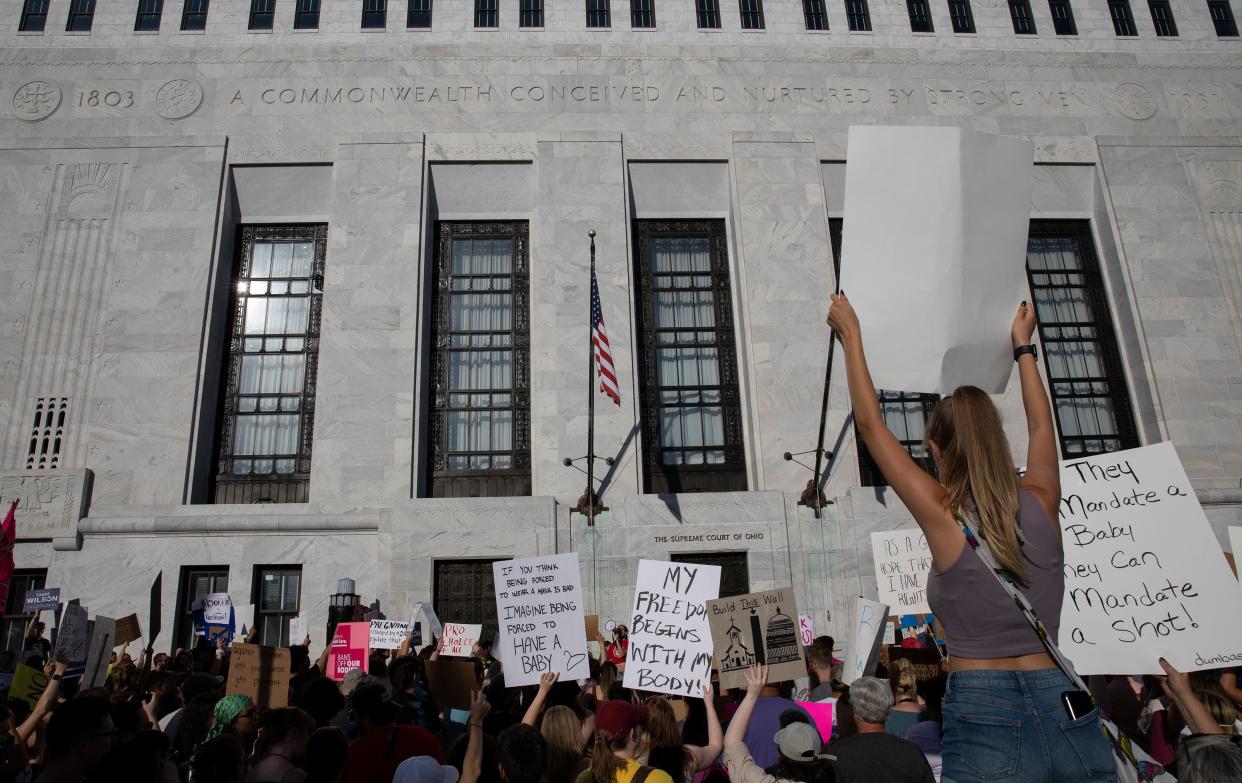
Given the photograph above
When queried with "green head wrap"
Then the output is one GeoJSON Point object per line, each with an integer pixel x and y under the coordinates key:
{"type": "Point", "coordinates": [227, 710]}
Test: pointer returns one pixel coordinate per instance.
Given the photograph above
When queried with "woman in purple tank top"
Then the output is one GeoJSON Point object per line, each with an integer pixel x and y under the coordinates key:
{"type": "Point", "coordinates": [1003, 716]}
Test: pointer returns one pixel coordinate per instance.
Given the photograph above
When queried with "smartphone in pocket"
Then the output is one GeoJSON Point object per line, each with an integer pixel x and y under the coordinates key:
{"type": "Point", "coordinates": [1077, 703]}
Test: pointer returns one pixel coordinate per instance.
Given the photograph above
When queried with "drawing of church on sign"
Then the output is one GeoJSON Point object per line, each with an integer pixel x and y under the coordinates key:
{"type": "Point", "coordinates": [737, 655]}
{"type": "Point", "coordinates": [782, 642]}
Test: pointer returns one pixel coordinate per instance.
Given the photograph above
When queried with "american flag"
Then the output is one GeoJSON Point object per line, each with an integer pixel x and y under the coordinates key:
{"type": "Point", "coordinates": [603, 351]}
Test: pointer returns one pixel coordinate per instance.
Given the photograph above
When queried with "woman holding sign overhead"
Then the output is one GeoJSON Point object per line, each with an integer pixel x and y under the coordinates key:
{"type": "Point", "coordinates": [1010, 714]}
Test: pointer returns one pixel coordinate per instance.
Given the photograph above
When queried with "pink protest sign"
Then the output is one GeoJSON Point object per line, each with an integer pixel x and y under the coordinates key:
{"type": "Point", "coordinates": [821, 713]}
{"type": "Point", "coordinates": [351, 646]}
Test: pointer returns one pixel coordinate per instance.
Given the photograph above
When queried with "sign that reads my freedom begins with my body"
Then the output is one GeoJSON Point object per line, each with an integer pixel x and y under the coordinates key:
{"type": "Point", "coordinates": [670, 642]}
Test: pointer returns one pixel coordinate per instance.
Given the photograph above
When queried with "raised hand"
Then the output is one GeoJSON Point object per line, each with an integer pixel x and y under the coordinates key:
{"type": "Point", "coordinates": [1023, 325]}
{"type": "Point", "coordinates": [843, 319]}
{"type": "Point", "coordinates": [547, 680]}
{"type": "Point", "coordinates": [756, 679]}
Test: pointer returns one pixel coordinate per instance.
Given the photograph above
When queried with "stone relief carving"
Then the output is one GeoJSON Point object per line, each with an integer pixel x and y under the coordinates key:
{"type": "Point", "coordinates": [36, 100]}
{"type": "Point", "coordinates": [178, 99]}
{"type": "Point", "coordinates": [1135, 101]}
{"type": "Point", "coordinates": [89, 190]}
{"type": "Point", "coordinates": [50, 502]}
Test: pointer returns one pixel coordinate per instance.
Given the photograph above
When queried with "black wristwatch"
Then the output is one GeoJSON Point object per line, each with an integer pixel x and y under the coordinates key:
{"type": "Point", "coordinates": [1021, 349]}
{"type": "Point", "coordinates": [58, 677]}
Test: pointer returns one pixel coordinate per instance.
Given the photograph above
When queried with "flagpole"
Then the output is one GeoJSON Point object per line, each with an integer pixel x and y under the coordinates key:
{"type": "Point", "coordinates": [590, 488]}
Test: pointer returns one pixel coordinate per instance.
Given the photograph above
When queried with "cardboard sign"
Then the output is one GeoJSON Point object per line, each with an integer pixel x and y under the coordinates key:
{"type": "Point", "coordinates": [350, 649]}
{"type": "Point", "coordinates": [1235, 544]}
{"type": "Point", "coordinates": [99, 655]}
{"type": "Point", "coordinates": [1144, 573]}
{"type": "Point", "coordinates": [388, 634]}
{"type": "Point", "coordinates": [945, 210]}
{"type": "Point", "coordinates": [73, 636]}
{"type": "Point", "coordinates": [458, 639]}
{"type": "Point", "coordinates": [297, 630]}
{"type": "Point", "coordinates": [28, 684]}
{"type": "Point", "coordinates": [262, 673]}
{"type": "Point", "coordinates": [153, 616]}
{"type": "Point", "coordinates": [41, 600]}
{"type": "Point", "coordinates": [539, 604]}
{"type": "Point", "coordinates": [450, 682]}
{"type": "Point", "coordinates": [756, 628]}
{"type": "Point", "coordinates": [127, 630]}
{"type": "Point", "coordinates": [806, 630]}
{"type": "Point", "coordinates": [863, 648]}
{"type": "Point", "coordinates": [670, 648]}
{"type": "Point", "coordinates": [902, 563]}
{"type": "Point", "coordinates": [822, 713]}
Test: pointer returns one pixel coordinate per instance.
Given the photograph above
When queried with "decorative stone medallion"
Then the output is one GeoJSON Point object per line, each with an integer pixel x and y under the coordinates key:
{"type": "Point", "coordinates": [36, 100]}
{"type": "Point", "coordinates": [1135, 101]}
{"type": "Point", "coordinates": [178, 99]}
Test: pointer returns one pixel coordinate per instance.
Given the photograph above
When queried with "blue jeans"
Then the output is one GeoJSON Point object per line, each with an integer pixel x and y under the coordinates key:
{"type": "Point", "coordinates": [1011, 726]}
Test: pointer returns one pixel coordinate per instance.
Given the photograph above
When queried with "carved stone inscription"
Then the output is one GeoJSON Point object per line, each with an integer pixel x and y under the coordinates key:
{"type": "Point", "coordinates": [50, 501]}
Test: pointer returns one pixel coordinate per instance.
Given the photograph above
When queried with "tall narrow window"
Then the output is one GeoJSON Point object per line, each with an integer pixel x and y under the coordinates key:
{"type": "Point", "coordinates": [196, 583]}
{"type": "Point", "coordinates": [816, 14]}
{"type": "Point", "coordinates": [708, 13]}
{"type": "Point", "coordinates": [752, 14]}
{"type": "Point", "coordinates": [277, 599]}
{"type": "Point", "coordinates": [306, 15]}
{"type": "Point", "coordinates": [1081, 358]}
{"type": "Point", "coordinates": [418, 14]}
{"type": "Point", "coordinates": [486, 13]}
{"type": "Point", "coordinates": [480, 362]}
{"type": "Point", "coordinates": [148, 18]}
{"type": "Point", "coordinates": [858, 15]}
{"type": "Point", "coordinates": [1222, 18]}
{"type": "Point", "coordinates": [1162, 18]}
{"type": "Point", "coordinates": [642, 13]}
{"type": "Point", "coordinates": [262, 14]}
{"type": "Point", "coordinates": [961, 17]}
{"type": "Point", "coordinates": [269, 397]}
{"type": "Point", "coordinates": [598, 14]}
{"type": "Point", "coordinates": [1020, 13]}
{"type": "Point", "coordinates": [692, 428]}
{"type": "Point", "coordinates": [1062, 17]}
{"type": "Point", "coordinates": [530, 13]}
{"type": "Point", "coordinates": [13, 628]}
{"type": "Point", "coordinates": [194, 15]}
{"type": "Point", "coordinates": [34, 16]}
{"type": "Point", "coordinates": [81, 16]}
{"type": "Point", "coordinates": [1123, 19]}
{"type": "Point", "coordinates": [47, 433]}
{"type": "Point", "coordinates": [920, 16]}
{"type": "Point", "coordinates": [374, 14]}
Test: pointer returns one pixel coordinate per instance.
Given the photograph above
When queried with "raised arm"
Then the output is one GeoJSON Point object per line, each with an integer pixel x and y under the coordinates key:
{"type": "Point", "coordinates": [546, 681]}
{"type": "Point", "coordinates": [1043, 473]}
{"type": "Point", "coordinates": [472, 764]}
{"type": "Point", "coordinates": [45, 703]}
{"type": "Point", "coordinates": [706, 755]}
{"type": "Point", "coordinates": [1177, 685]}
{"type": "Point", "coordinates": [756, 679]}
{"type": "Point", "coordinates": [921, 493]}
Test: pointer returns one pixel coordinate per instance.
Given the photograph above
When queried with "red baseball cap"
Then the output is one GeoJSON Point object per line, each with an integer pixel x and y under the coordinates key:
{"type": "Point", "coordinates": [618, 717]}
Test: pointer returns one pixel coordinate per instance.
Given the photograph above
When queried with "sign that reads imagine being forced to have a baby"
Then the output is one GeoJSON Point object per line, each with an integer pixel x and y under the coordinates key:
{"type": "Point", "coordinates": [670, 642]}
{"type": "Point", "coordinates": [539, 605]}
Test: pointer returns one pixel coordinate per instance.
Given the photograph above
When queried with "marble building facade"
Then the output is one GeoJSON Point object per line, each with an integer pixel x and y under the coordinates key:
{"type": "Point", "coordinates": [134, 162]}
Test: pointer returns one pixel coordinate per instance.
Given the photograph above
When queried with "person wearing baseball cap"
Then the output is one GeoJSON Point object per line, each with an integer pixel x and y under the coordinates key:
{"type": "Point", "coordinates": [616, 742]}
{"type": "Point", "coordinates": [801, 757]}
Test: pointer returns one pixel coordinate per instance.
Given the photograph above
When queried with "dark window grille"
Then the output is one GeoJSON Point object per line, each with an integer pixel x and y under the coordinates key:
{"type": "Point", "coordinates": [1222, 18]}
{"type": "Point", "coordinates": [1123, 18]}
{"type": "Point", "coordinates": [1062, 17]}
{"type": "Point", "coordinates": [465, 590]}
{"type": "Point", "coordinates": [374, 14]}
{"type": "Point", "coordinates": [961, 17]}
{"type": "Point", "coordinates": [262, 14]}
{"type": "Point", "coordinates": [47, 433]}
{"type": "Point", "coordinates": [598, 14]}
{"type": "Point", "coordinates": [486, 13]}
{"type": "Point", "coordinates": [149, 13]}
{"type": "Point", "coordinates": [13, 627]}
{"type": "Point", "coordinates": [194, 15]}
{"type": "Point", "coordinates": [858, 15]}
{"type": "Point", "coordinates": [691, 411]}
{"type": "Point", "coordinates": [34, 16]}
{"type": "Point", "coordinates": [418, 14]}
{"type": "Point", "coordinates": [277, 598]}
{"type": "Point", "coordinates": [530, 13]}
{"type": "Point", "coordinates": [1162, 18]}
{"type": "Point", "coordinates": [816, 14]}
{"type": "Point", "coordinates": [1081, 358]}
{"type": "Point", "coordinates": [708, 12]}
{"type": "Point", "coordinates": [264, 452]}
{"type": "Point", "coordinates": [306, 15]}
{"type": "Point", "coordinates": [642, 13]}
{"type": "Point", "coordinates": [920, 16]}
{"type": "Point", "coordinates": [81, 16]}
{"type": "Point", "coordinates": [480, 361]}
{"type": "Point", "coordinates": [752, 14]}
{"type": "Point", "coordinates": [734, 569]}
{"type": "Point", "coordinates": [1023, 20]}
{"type": "Point", "coordinates": [196, 582]}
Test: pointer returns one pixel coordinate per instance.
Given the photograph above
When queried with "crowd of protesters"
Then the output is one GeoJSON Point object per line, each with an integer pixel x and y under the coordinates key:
{"type": "Point", "coordinates": [164, 719]}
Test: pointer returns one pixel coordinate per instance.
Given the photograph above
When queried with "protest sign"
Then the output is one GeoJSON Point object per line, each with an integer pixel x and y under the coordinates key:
{"type": "Point", "coordinates": [1144, 573]}
{"type": "Point", "coordinates": [388, 634]}
{"type": "Point", "coordinates": [450, 682]}
{"type": "Point", "coordinates": [670, 648]}
{"type": "Point", "coordinates": [28, 684]}
{"type": "Point", "coordinates": [539, 604]}
{"type": "Point", "coordinates": [72, 636]}
{"type": "Point", "coordinates": [99, 654]}
{"type": "Point", "coordinates": [350, 649]}
{"type": "Point", "coordinates": [902, 562]}
{"type": "Point", "coordinates": [433, 623]}
{"type": "Point", "coordinates": [243, 619]}
{"type": "Point", "coordinates": [806, 630]}
{"type": "Point", "coordinates": [459, 639]}
{"type": "Point", "coordinates": [217, 609]}
{"type": "Point", "coordinates": [756, 628]}
{"type": "Point", "coordinates": [297, 630]}
{"type": "Point", "coordinates": [157, 588]}
{"type": "Point", "coordinates": [262, 673]}
{"type": "Point", "coordinates": [41, 600]}
{"type": "Point", "coordinates": [945, 210]}
{"type": "Point", "coordinates": [863, 647]}
{"type": "Point", "coordinates": [1235, 544]}
{"type": "Point", "coordinates": [127, 630]}
{"type": "Point", "coordinates": [822, 713]}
